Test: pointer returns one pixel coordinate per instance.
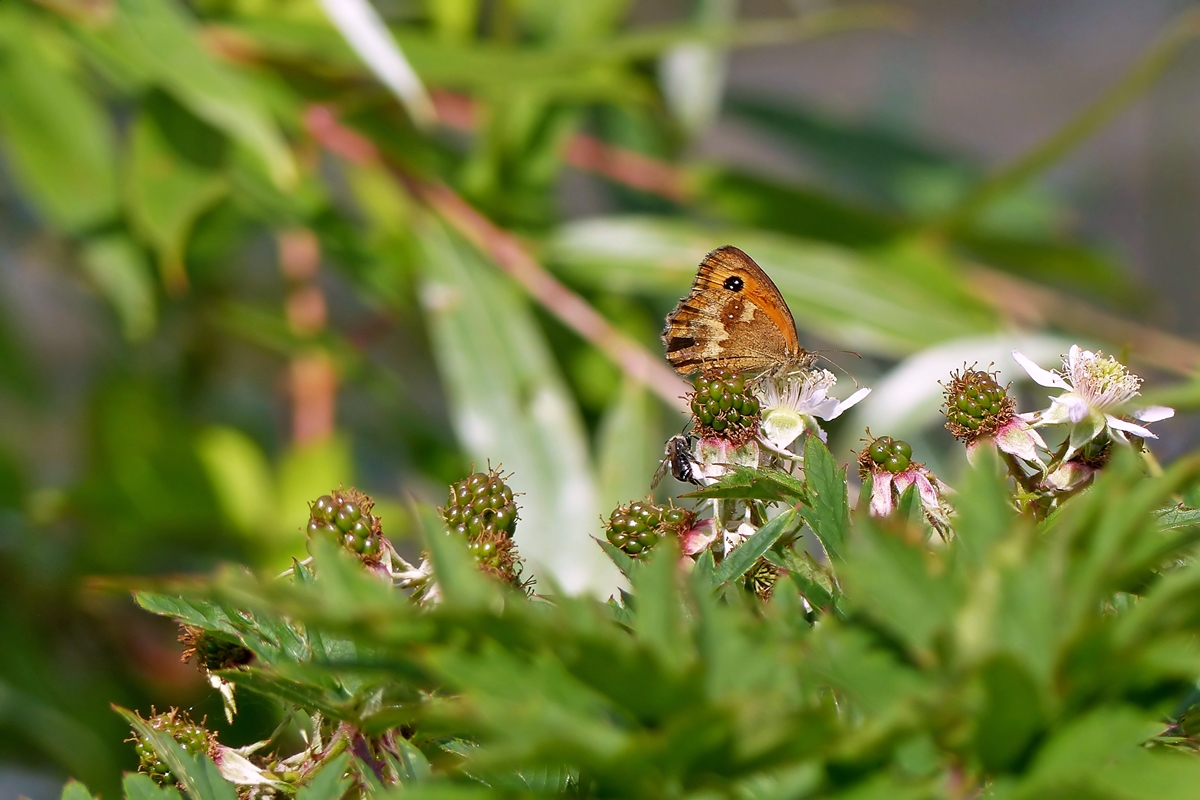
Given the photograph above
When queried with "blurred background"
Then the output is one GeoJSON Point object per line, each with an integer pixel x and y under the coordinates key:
{"type": "Point", "coordinates": [253, 250]}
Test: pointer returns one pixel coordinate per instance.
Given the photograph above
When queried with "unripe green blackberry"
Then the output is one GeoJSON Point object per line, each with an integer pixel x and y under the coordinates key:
{"type": "Point", "coordinates": [885, 454]}
{"type": "Point", "coordinates": [212, 651]}
{"type": "Point", "coordinates": [496, 554]}
{"type": "Point", "coordinates": [637, 527]}
{"type": "Point", "coordinates": [193, 738]}
{"type": "Point", "coordinates": [722, 406]}
{"type": "Point", "coordinates": [976, 404]}
{"type": "Point", "coordinates": [344, 518]}
{"type": "Point", "coordinates": [479, 504]}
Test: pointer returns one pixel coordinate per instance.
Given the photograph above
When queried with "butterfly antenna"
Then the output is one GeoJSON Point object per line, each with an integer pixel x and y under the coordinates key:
{"type": "Point", "coordinates": [821, 354]}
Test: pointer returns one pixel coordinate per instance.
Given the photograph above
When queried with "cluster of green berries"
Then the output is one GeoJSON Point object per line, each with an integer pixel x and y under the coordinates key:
{"type": "Point", "coordinates": [481, 509]}
{"type": "Point", "coordinates": [480, 503]}
{"type": "Point", "coordinates": [723, 406]}
{"type": "Point", "coordinates": [345, 518]}
{"type": "Point", "coordinates": [193, 738]}
{"type": "Point", "coordinates": [496, 554]}
{"type": "Point", "coordinates": [892, 455]}
{"type": "Point", "coordinates": [637, 527]}
{"type": "Point", "coordinates": [976, 404]}
{"type": "Point", "coordinates": [212, 651]}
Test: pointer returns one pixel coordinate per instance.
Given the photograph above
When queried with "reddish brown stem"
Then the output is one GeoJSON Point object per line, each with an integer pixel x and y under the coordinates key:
{"type": "Point", "coordinates": [508, 253]}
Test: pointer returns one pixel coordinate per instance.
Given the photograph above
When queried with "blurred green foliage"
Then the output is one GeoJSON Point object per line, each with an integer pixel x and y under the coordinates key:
{"type": "Point", "coordinates": [1017, 660]}
{"type": "Point", "coordinates": [159, 156]}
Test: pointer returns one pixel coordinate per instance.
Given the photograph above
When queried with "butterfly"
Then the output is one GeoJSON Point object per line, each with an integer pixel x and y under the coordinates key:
{"type": "Point", "coordinates": [678, 459]}
{"type": "Point", "coordinates": [733, 319]}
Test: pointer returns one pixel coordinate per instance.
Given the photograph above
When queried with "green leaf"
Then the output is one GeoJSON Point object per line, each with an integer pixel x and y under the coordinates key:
{"type": "Point", "coordinates": [460, 580]}
{"type": "Point", "coordinates": [762, 203]}
{"type": "Point", "coordinates": [828, 509]}
{"type": "Point", "coordinates": [241, 478]}
{"type": "Point", "coordinates": [900, 585]}
{"type": "Point", "coordinates": [366, 32]}
{"type": "Point", "coordinates": [160, 37]}
{"type": "Point", "coordinates": [1079, 748]}
{"type": "Point", "coordinates": [874, 160]}
{"type": "Point", "coordinates": [1179, 517]}
{"type": "Point", "coordinates": [812, 579]}
{"type": "Point", "coordinates": [659, 608]}
{"type": "Point", "coordinates": [985, 514]}
{"type": "Point", "coordinates": [142, 787]}
{"type": "Point", "coordinates": [198, 774]}
{"type": "Point", "coordinates": [744, 556]}
{"type": "Point", "coordinates": [628, 565]}
{"type": "Point", "coordinates": [1011, 715]}
{"type": "Point", "coordinates": [751, 483]}
{"type": "Point", "coordinates": [120, 272]}
{"type": "Point", "coordinates": [305, 695]}
{"type": "Point", "coordinates": [416, 766]}
{"type": "Point", "coordinates": [509, 405]}
{"type": "Point", "coordinates": [57, 135]}
{"type": "Point", "coordinates": [626, 449]}
{"type": "Point", "coordinates": [166, 192]}
{"type": "Point", "coordinates": [74, 790]}
{"type": "Point", "coordinates": [704, 573]}
{"type": "Point", "coordinates": [330, 782]}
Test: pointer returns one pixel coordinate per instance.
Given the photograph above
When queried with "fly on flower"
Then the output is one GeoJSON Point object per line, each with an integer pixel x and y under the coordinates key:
{"type": "Point", "coordinates": [679, 461]}
{"type": "Point", "coordinates": [1096, 398]}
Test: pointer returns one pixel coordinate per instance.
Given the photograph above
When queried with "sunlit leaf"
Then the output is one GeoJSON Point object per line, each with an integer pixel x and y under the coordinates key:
{"type": "Point", "coordinates": [160, 37]}
{"type": "Point", "coordinates": [121, 273]}
{"type": "Point", "coordinates": [165, 193]}
{"type": "Point", "coordinates": [56, 135]}
{"type": "Point", "coordinates": [510, 407]}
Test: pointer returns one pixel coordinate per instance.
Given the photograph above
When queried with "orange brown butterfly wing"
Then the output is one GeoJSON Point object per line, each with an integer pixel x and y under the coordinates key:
{"type": "Point", "coordinates": [734, 319]}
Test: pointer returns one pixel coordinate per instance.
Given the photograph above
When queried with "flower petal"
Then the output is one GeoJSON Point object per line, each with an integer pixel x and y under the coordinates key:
{"type": "Point", "coordinates": [882, 501]}
{"type": "Point", "coordinates": [826, 409]}
{"type": "Point", "coordinates": [1057, 414]}
{"type": "Point", "coordinates": [929, 495]}
{"type": "Point", "coordinates": [781, 426]}
{"type": "Point", "coordinates": [1020, 440]}
{"type": "Point", "coordinates": [1069, 475]}
{"type": "Point", "coordinates": [1153, 413]}
{"type": "Point", "coordinates": [1077, 408]}
{"type": "Point", "coordinates": [849, 402]}
{"type": "Point", "coordinates": [1122, 425]}
{"type": "Point", "coordinates": [975, 446]}
{"type": "Point", "coordinates": [1041, 376]}
{"type": "Point", "coordinates": [699, 537]}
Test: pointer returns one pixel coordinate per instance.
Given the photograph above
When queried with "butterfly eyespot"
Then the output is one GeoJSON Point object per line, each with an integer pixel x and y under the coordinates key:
{"type": "Point", "coordinates": [733, 319]}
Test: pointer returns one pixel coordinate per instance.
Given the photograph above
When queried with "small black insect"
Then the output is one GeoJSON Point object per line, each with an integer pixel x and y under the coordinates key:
{"type": "Point", "coordinates": [678, 458]}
